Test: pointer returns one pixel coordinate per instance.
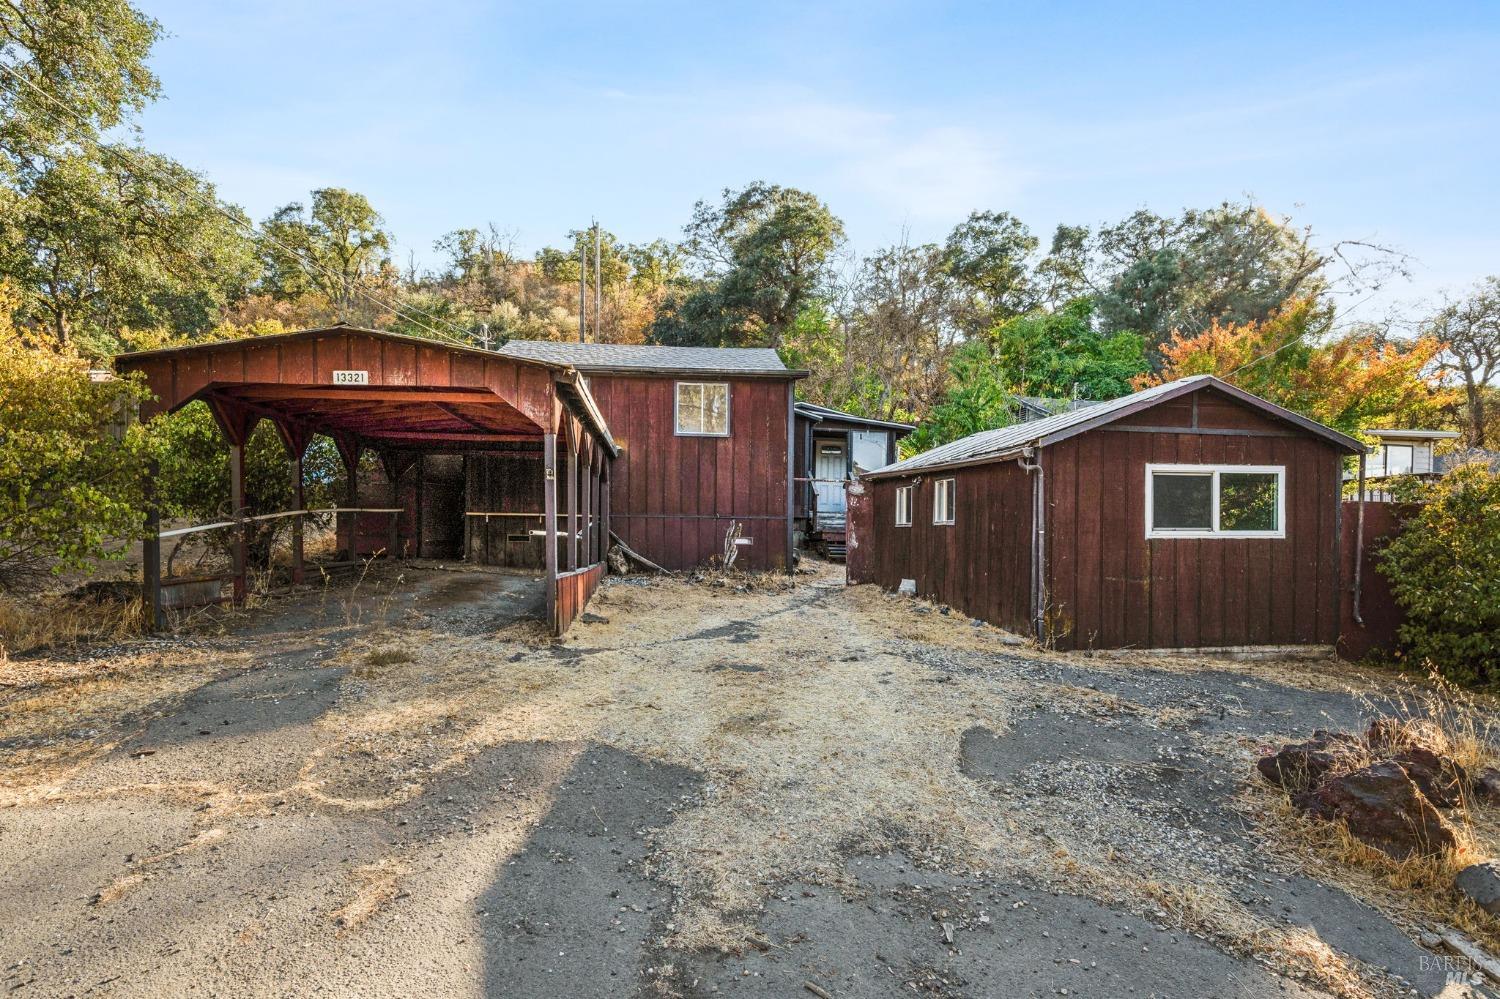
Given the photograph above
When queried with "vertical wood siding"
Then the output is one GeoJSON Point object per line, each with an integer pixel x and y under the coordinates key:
{"type": "Point", "coordinates": [1108, 586]}
{"type": "Point", "coordinates": [980, 564]}
{"type": "Point", "coordinates": [673, 498]}
{"type": "Point", "coordinates": [1111, 587]}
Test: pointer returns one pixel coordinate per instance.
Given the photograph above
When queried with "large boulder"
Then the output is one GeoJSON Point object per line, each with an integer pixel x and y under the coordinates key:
{"type": "Point", "coordinates": [1441, 779]}
{"type": "Point", "coordinates": [1299, 766]}
{"type": "Point", "coordinates": [1382, 807]}
{"type": "Point", "coordinates": [1481, 882]}
{"type": "Point", "coordinates": [1486, 785]}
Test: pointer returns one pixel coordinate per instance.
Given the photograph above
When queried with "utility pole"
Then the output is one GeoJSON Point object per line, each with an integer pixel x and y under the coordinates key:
{"type": "Point", "coordinates": [598, 290]}
{"type": "Point", "coordinates": [583, 249]}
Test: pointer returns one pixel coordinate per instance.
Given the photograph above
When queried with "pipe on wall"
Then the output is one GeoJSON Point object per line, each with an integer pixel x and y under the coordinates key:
{"type": "Point", "coordinates": [1038, 541]}
{"type": "Point", "coordinates": [1359, 542]}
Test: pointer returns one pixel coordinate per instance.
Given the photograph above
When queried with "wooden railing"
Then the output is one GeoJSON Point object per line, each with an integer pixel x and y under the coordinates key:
{"type": "Point", "coordinates": [573, 592]}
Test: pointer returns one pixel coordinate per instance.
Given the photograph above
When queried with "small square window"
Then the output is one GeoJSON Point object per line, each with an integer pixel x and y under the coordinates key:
{"type": "Point", "coordinates": [944, 502]}
{"type": "Point", "coordinates": [703, 409]}
{"type": "Point", "coordinates": [903, 506]}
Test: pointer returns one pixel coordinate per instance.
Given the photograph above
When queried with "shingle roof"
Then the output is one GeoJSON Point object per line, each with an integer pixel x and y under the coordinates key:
{"type": "Point", "coordinates": [643, 357]}
{"type": "Point", "coordinates": [1010, 440]}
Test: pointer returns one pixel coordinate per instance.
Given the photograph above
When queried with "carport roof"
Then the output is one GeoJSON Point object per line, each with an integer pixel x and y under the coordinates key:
{"type": "Point", "coordinates": [409, 392]}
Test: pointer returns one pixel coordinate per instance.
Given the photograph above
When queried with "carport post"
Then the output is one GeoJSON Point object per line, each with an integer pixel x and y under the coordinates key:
{"type": "Point", "coordinates": [241, 526]}
{"type": "Point", "coordinates": [549, 508]}
{"type": "Point", "coordinates": [151, 551]}
{"type": "Point", "coordinates": [603, 512]}
{"type": "Point", "coordinates": [572, 497]}
{"type": "Point", "coordinates": [588, 493]}
{"type": "Point", "coordinates": [394, 470]}
{"type": "Point", "coordinates": [297, 501]}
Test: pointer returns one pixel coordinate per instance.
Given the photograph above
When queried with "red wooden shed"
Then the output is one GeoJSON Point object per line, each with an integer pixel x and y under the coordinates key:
{"type": "Point", "coordinates": [1189, 515]}
{"type": "Point", "coordinates": [411, 400]}
{"type": "Point", "coordinates": [705, 437]}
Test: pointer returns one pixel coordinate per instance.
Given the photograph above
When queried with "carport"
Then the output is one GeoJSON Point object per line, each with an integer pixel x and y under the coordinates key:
{"type": "Point", "coordinates": [404, 398]}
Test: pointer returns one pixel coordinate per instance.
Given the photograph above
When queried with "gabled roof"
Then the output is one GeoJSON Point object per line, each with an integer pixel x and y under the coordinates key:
{"type": "Point", "coordinates": [1008, 442]}
{"type": "Point", "coordinates": [818, 413]}
{"type": "Point", "coordinates": [644, 358]}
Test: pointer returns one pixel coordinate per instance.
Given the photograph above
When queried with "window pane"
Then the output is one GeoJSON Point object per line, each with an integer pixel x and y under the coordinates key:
{"type": "Point", "coordinates": [690, 409]}
{"type": "Point", "coordinates": [1399, 459]}
{"type": "Point", "coordinates": [1182, 502]}
{"type": "Point", "coordinates": [1247, 501]}
{"type": "Point", "coordinates": [715, 409]}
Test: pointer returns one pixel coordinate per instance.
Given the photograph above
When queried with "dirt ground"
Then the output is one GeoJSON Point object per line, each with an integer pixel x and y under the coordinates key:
{"type": "Point", "coordinates": [752, 786]}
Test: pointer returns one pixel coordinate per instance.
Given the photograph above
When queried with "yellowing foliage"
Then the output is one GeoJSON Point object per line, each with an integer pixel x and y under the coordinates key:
{"type": "Point", "coordinates": [1352, 382]}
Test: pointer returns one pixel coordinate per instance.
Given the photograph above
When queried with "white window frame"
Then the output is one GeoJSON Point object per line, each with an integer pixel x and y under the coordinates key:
{"type": "Point", "coordinates": [937, 504]}
{"type": "Point", "coordinates": [677, 410]}
{"type": "Point", "coordinates": [903, 506]}
{"type": "Point", "coordinates": [1215, 471]}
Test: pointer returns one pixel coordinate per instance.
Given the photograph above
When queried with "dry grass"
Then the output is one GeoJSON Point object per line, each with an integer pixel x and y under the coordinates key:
{"type": "Point", "coordinates": [375, 885]}
{"type": "Point", "coordinates": [53, 619]}
{"type": "Point", "coordinates": [1417, 892]}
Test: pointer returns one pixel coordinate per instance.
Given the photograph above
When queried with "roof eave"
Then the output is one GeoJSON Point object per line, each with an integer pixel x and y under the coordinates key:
{"type": "Point", "coordinates": [335, 330]}
{"type": "Point", "coordinates": [782, 374]}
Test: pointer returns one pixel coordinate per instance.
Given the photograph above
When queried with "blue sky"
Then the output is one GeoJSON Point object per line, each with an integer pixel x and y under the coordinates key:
{"type": "Point", "coordinates": [1367, 121]}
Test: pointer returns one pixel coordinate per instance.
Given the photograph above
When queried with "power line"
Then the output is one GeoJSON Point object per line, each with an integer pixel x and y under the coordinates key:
{"type": "Point", "coordinates": [463, 339]}
{"type": "Point", "coordinates": [1294, 340]}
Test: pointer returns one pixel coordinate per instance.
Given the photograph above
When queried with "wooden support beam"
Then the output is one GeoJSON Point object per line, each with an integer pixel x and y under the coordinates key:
{"type": "Point", "coordinates": [549, 503]}
{"type": "Point", "coordinates": [240, 549]}
{"type": "Point", "coordinates": [587, 503]}
{"type": "Point", "coordinates": [572, 495]}
{"type": "Point", "coordinates": [417, 437]}
{"type": "Point", "coordinates": [151, 552]}
{"type": "Point", "coordinates": [297, 504]}
{"type": "Point", "coordinates": [604, 528]}
{"type": "Point", "coordinates": [473, 397]}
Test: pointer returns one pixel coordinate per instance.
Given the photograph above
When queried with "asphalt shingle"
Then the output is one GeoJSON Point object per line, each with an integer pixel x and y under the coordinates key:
{"type": "Point", "coordinates": [644, 357]}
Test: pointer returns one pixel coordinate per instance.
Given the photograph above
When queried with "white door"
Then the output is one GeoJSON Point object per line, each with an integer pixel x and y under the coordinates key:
{"type": "Point", "coordinates": [829, 472]}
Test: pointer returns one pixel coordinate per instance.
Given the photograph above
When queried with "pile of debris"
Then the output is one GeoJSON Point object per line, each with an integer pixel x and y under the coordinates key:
{"type": "Point", "coordinates": [1390, 787]}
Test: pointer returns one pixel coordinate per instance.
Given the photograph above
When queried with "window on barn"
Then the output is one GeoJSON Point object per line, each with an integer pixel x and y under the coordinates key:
{"type": "Point", "coordinates": [1215, 501]}
{"type": "Point", "coordinates": [944, 504]}
{"type": "Point", "coordinates": [903, 506]}
{"type": "Point", "coordinates": [703, 409]}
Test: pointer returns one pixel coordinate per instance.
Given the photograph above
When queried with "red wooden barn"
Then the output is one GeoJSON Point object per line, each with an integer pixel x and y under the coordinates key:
{"type": "Point", "coordinates": [528, 457]}
{"type": "Point", "coordinates": [1189, 515]}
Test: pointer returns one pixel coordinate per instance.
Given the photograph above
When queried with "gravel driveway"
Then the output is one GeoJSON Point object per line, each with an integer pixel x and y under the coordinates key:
{"type": "Point", "coordinates": [753, 787]}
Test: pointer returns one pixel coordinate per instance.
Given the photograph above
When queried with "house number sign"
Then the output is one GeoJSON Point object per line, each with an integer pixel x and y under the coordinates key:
{"type": "Point", "coordinates": [351, 378]}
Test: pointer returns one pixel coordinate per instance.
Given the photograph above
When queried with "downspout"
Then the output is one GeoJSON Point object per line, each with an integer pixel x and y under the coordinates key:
{"type": "Point", "coordinates": [1038, 540]}
{"type": "Point", "coordinates": [1359, 541]}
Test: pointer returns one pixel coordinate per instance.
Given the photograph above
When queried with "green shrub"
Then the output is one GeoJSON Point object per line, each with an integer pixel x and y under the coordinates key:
{"type": "Point", "coordinates": [72, 464]}
{"type": "Point", "coordinates": [1444, 569]}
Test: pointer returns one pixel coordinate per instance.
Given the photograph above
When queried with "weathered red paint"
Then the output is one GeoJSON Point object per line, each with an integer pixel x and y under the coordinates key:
{"type": "Point", "coordinates": [1382, 617]}
{"type": "Point", "coordinates": [674, 497]}
{"type": "Point", "coordinates": [573, 592]}
{"type": "Point", "coordinates": [418, 397]}
{"type": "Point", "coordinates": [1106, 585]}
